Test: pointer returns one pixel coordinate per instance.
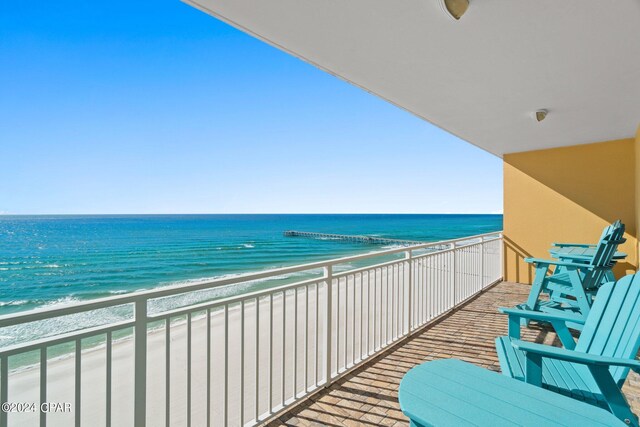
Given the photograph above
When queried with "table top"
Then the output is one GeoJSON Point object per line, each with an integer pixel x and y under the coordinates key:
{"type": "Point", "coordinates": [450, 392]}
{"type": "Point", "coordinates": [579, 253]}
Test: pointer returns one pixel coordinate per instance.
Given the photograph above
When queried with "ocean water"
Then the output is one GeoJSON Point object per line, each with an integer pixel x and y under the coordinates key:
{"type": "Point", "coordinates": [49, 261]}
{"type": "Point", "coordinates": [53, 260]}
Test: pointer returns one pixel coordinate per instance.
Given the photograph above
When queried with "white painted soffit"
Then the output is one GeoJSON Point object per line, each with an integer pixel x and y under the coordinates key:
{"type": "Point", "coordinates": [480, 78]}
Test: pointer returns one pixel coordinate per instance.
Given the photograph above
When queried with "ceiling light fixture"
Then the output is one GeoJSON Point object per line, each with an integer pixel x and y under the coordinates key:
{"type": "Point", "coordinates": [540, 115]}
{"type": "Point", "coordinates": [455, 8]}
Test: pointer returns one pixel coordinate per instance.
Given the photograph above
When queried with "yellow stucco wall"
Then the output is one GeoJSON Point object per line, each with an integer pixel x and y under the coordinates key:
{"type": "Point", "coordinates": [637, 183]}
{"type": "Point", "coordinates": [568, 194]}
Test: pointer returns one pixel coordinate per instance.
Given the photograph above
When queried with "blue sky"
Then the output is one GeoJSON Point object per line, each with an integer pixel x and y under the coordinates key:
{"type": "Point", "coordinates": [155, 107]}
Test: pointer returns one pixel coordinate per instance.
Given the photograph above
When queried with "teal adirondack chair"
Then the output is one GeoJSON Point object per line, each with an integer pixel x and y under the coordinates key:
{"type": "Point", "coordinates": [580, 248]}
{"type": "Point", "coordinates": [605, 232]}
{"type": "Point", "coordinates": [595, 368]}
{"type": "Point", "coordinates": [573, 284]}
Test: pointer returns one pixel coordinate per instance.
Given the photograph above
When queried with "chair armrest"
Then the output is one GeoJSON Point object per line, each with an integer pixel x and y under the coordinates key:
{"type": "Point", "coordinates": [617, 242]}
{"type": "Point", "coordinates": [558, 321]}
{"type": "Point", "coordinates": [564, 263]}
{"type": "Point", "coordinates": [553, 262]}
{"type": "Point", "coordinates": [540, 316]}
{"type": "Point", "coordinates": [573, 245]}
{"type": "Point", "coordinates": [574, 356]}
{"type": "Point", "coordinates": [581, 259]}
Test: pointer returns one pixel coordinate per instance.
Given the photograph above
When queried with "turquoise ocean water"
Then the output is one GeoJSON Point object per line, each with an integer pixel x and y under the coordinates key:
{"type": "Point", "coordinates": [51, 261]}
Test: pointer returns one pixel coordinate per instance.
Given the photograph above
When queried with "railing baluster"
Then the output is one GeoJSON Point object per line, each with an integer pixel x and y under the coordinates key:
{"type": "Point", "coordinates": [389, 316]}
{"type": "Point", "coordinates": [329, 333]}
{"type": "Point", "coordinates": [482, 282]}
{"type": "Point", "coordinates": [434, 286]}
{"type": "Point", "coordinates": [361, 313]}
{"type": "Point", "coordinates": [78, 382]}
{"type": "Point", "coordinates": [428, 294]}
{"type": "Point", "coordinates": [338, 334]}
{"type": "Point", "coordinates": [453, 276]}
{"type": "Point", "coordinates": [108, 379]}
{"type": "Point", "coordinates": [43, 384]}
{"type": "Point", "coordinates": [431, 294]}
{"type": "Point", "coordinates": [270, 382]}
{"type": "Point", "coordinates": [317, 332]}
{"type": "Point", "coordinates": [404, 295]}
{"type": "Point", "coordinates": [430, 300]}
{"type": "Point", "coordinates": [419, 279]}
{"type": "Point", "coordinates": [392, 320]}
{"type": "Point", "coordinates": [416, 295]}
{"type": "Point", "coordinates": [226, 365]}
{"type": "Point", "coordinates": [438, 295]}
{"type": "Point", "coordinates": [189, 370]}
{"type": "Point", "coordinates": [295, 343]}
{"type": "Point", "coordinates": [257, 361]}
{"type": "Point", "coordinates": [391, 301]}
{"type": "Point", "coordinates": [445, 263]}
{"type": "Point", "coordinates": [284, 344]}
{"type": "Point", "coordinates": [438, 284]}
{"type": "Point", "coordinates": [4, 387]}
{"type": "Point", "coordinates": [422, 302]}
{"type": "Point", "coordinates": [208, 394]}
{"type": "Point", "coordinates": [384, 305]}
{"type": "Point", "coordinates": [306, 339]}
{"type": "Point", "coordinates": [241, 365]}
{"type": "Point", "coordinates": [353, 324]}
{"type": "Point", "coordinates": [167, 379]}
{"type": "Point", "coordinates": [399, 300]}
{"type": "Point", "coordinates": [140, 382]}
{"type": "Point", "coordinates": [442, 290]}
{"type": "Point", "coordinates": [345, 324]}
{"type": "Point", "coordinates": [376, 316]}
{"type": "Point", "coordinates": [396, 296]}
{"type": "Point", "coordinates": [368, 312]}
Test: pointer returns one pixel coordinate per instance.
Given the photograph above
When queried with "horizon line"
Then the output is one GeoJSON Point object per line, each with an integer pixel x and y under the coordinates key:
{"type": "Point", "coordinates": [251, 213]}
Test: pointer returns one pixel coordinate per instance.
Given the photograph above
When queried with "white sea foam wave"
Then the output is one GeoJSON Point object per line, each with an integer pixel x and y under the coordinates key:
{"type": "Point", "coordinates": [66, 300]}
{"type": "Point", "coordinates": [14, 303]}
{"type": "Point", "coordinates": [394, 246]}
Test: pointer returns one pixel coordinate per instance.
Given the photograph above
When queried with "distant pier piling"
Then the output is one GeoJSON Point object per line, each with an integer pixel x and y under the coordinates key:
{"type": "Point", "coordinates": [357, 238]}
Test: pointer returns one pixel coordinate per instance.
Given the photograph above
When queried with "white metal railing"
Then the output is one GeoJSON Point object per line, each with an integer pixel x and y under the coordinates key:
{"type": "Point", "coordinates": [244, 359]}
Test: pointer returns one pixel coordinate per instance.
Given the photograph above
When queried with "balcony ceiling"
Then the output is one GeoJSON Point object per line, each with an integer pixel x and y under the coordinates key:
{"type": "Point", "coordinates": [480, 78]}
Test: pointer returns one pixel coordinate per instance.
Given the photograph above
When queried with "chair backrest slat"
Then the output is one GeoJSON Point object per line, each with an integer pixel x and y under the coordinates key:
{"type": "Point", "coordinates": [607, 245]}
{"type": "Point", "coordinates": [613, 325]}
{"type": "Point", "coordinates": [606, 248]}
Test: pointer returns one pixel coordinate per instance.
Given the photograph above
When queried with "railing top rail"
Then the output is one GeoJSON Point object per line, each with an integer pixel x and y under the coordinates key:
{"type": "Point", "coordinates": [41, 314]}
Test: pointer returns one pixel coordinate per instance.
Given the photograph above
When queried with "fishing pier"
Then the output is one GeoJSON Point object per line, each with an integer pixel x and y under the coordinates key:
{"type": "Point", "coordinates": [351, 238]}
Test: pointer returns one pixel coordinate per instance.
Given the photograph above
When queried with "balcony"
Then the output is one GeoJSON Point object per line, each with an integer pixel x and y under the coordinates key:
{"type": "Point", "coordinates": [368, 396]}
